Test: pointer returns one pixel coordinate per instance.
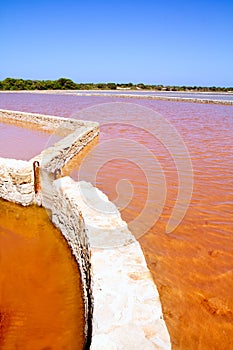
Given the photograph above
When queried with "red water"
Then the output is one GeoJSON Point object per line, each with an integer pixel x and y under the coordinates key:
{"type": "Point", "coordinates": [21, 143]}
{"type": "Point", "coordinates": [41, 304]}
{"type": "Point", "coordinates": [192, 265]}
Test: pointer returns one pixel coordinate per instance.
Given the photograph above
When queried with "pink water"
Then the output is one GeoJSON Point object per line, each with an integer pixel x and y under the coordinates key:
{"type": "Point", "coordinates": [192, 266]}
{"type": "Point", "coordinates": [18, 142]}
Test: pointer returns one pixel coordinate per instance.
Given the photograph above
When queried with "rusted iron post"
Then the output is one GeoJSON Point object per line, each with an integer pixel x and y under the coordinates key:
{"type": "Point", "coordinates": [36, 170]}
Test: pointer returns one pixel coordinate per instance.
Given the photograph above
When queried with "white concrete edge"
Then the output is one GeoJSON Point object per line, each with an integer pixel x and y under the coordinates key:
{"type": "Point", "coordinates": [17, 181]}
{"type": "Point", "coordinates": [127, 312]}
{"type": "Point", "coordinates": [47, 122]}
{"type": "Point", "coordinates": [53, 158]}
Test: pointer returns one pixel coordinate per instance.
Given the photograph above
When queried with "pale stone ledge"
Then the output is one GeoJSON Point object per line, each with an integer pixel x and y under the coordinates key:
{"type": "Point", "coordinates": [67, 217]}
{"type": "Point", "coordinates": [127, 312]}
{"type": "Point", "coordinates": [43, 122]}
{"type": "Point", "coordinates": [17, 181]}
{"type": "Point", "coordinates": [17, 176]}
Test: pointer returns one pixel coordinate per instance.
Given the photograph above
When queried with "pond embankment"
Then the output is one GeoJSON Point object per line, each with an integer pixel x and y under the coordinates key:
{"type": "Point", "coordinates": [122, 305]}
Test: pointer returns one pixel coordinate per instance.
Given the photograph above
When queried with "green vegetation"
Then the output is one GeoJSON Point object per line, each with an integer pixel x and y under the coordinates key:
{"type": "Point", "coordinates": [68, 84]}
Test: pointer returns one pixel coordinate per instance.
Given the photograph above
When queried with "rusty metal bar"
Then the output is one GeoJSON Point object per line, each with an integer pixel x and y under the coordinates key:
{"type": "Point", "coordinates": [36, 170]}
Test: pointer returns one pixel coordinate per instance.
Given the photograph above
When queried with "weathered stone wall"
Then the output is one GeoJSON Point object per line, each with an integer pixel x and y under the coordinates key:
{"type": "Point", "coordinates": [127, 312]}
{"type": "Point", "coordinates": [17, 181]}
{"type": "Point", "coordinates": [56, 157]}
{"type": "Point", "coordinates": [42, 121]}
{"type": "Point", "coordinates": [67, 217]}
{"type": "Point", "coordinates": [17, 177]}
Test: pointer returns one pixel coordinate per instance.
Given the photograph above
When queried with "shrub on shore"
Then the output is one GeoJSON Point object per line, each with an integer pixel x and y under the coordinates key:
{"type": "Point", "coordinates": [68, 84]}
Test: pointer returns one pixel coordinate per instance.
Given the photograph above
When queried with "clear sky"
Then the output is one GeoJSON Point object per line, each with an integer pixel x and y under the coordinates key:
{"type": "Point", "coordinates": [153, 42]}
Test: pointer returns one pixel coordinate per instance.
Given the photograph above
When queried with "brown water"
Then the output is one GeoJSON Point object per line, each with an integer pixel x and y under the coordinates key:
{"type": "Point", "coordinates": [41, 303]}
{"type": "Point", "coordinates": [21, 143]}
{"type": "Point", "coordinates": [192, 266]}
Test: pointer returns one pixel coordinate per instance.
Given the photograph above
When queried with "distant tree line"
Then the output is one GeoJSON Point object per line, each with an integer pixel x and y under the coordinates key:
{"type": "Point", "coordinates": [68, 84]}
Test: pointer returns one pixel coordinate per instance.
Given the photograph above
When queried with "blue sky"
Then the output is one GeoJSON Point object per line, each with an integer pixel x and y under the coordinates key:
{"type": "Point", "coordinates": [154, 42]}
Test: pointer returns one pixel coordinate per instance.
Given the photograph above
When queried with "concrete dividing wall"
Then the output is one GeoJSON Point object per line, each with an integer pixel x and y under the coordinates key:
{"type": "Point", "coordinates": [67, 217]}
{"type": "Point", "coordinates": [127, 312]}
{"type": "Point", "coordinates": [17, 176]}
{"type": "Point", "coordinates": [54, 158]}
{"type": "Point", "coordinates": [17, 181]}
{"type": "Point", "coordinates": [43, 122]}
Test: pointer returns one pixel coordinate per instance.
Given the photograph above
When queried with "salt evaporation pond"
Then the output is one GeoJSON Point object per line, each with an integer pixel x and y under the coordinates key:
{"type": "Point", "coordinates": [192, 266]}
{"type": "Point", "coordinates": [41, 304]}
{"type": "Point", "coordinates": [18, 142]}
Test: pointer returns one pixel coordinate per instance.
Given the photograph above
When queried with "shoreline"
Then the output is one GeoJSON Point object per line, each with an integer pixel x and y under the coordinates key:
{"type": "Point", "coordinates": [104, 93]}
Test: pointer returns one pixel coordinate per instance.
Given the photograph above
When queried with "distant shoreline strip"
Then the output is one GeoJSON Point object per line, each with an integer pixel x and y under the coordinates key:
{"type": "Point", "coordinates": [138, 96]}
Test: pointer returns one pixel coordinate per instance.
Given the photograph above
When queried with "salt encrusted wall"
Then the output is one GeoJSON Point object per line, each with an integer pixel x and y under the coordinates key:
{"type": "Point", "coordinates": [67, 217]}
{"type": "Point", "coordinates": [17, 181]}
{"type": "Point", "coordinates": [17, 176]}
{"type": "Point", "coordinates": [42, 121]}
{"type": "Point", "coordinates": [54, 158]}
{"type": "Point", "coordinates": [127, 312]}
